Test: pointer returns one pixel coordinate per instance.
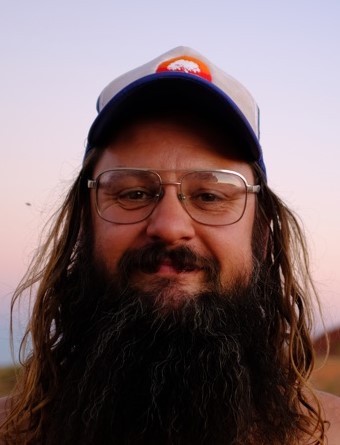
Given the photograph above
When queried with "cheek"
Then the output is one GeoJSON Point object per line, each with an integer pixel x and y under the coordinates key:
{"type": "Point", "coordinates": [106, 242]}
{"type": "Point", "coordinates": [235, 255]}
{"type": "Point", "coordinates": [233, 248]}
{"type": "Point", "coordinates": [112, 240]}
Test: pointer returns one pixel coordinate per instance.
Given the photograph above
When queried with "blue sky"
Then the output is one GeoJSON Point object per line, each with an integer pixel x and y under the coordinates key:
{"type": "Point", "coordinates": [57, 56]}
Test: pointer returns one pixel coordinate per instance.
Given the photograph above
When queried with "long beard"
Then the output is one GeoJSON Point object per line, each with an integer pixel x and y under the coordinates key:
{"type": "Point", "coordinates": [194, 374]}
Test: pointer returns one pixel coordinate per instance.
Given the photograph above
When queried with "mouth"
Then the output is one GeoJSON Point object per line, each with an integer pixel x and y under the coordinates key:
{"type": "Point", "coordinates": [169, 268]}
{"type": "Point", "coordinates": [156, 260]}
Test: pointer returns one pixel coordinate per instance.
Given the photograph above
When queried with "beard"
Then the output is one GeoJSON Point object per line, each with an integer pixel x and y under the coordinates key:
{"type": "Point", "coordinates": [141, 371]}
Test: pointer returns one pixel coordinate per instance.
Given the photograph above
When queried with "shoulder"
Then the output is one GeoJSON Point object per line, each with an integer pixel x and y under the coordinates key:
{"type": "Point", "coordinates": [330, 405]}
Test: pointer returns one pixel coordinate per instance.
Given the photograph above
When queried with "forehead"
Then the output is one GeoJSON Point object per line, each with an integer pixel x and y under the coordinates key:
{"type": "Point", "coordinates": [182, 142]}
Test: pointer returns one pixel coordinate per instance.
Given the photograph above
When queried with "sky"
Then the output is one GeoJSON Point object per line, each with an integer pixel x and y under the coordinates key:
{"type": "Point", "coordinates": [56, 57]}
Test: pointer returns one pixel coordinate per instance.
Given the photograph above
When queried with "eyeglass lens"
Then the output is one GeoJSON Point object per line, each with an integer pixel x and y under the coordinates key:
{"type": "Point", "coordinates": [209, 197]}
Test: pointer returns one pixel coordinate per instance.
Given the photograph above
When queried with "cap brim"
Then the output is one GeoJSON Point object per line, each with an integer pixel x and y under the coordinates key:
{"type": "Point", "coordinates": [175, 90]}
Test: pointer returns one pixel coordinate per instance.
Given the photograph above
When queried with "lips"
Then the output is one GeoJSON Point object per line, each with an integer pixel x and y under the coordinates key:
{"type": "Point", "coordinates": [168, 267]}
{"type": "Point", "coordinates": [156, 258]}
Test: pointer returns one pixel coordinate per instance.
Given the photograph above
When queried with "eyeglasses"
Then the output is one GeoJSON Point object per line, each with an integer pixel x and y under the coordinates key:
{"type": "Point", "coordinates": [212, 197]}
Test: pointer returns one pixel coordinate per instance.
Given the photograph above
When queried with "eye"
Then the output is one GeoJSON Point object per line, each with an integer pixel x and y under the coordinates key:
{"type": "Point", "coordinates": [136, 195]}
{"type": "Point", "coordinates": [215, 200]}
{"type": "Point", "coordinates": [208, 197]}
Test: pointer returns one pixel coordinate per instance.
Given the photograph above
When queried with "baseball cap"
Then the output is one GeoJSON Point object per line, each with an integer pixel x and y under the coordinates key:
{"type": "Point", "coordinates": [179, 79]}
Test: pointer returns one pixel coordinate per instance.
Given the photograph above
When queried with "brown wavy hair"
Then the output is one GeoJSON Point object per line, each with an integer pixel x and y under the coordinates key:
{"type": "Point", "coordinates": [283, 245]}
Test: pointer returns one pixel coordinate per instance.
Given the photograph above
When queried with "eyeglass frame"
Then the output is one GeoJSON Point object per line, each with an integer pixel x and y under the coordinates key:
{"type": "Point", "coordinates": [249, 188]}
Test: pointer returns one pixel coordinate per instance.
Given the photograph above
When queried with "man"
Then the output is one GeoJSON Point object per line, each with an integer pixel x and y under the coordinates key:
{"type": "Point", "coordinates": [173, 298]}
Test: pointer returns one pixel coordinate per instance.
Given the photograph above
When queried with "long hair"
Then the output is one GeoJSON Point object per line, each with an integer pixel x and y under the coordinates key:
{"type": "Point", "coordinates": [282, 246]}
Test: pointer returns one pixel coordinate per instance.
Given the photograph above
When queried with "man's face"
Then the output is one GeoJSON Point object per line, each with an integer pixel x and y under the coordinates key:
{"type": "Point", "coordinates": [179, 316]}
{"type": "Point", "coordinates": [165, 145]}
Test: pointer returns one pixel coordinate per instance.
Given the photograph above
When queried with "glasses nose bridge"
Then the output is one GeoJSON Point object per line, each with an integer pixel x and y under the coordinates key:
{"type": "Point", "coordinates": [177, 183]}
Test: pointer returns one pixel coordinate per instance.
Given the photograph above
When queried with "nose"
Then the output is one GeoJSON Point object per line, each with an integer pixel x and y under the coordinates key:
{"type": "Point", "coordinates": [169, 222]}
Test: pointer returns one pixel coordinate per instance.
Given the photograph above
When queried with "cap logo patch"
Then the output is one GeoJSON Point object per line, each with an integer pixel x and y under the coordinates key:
{"type": "Point", "coordinates": [185, 64]}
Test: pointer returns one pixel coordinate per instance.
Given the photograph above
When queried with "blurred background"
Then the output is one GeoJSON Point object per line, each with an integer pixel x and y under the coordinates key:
{"type": "Point", "coordinates": [57, 56]}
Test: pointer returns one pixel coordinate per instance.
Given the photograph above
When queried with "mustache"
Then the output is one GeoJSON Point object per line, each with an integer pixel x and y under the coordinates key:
{"type": "Point", "coordinates": [149, 258]}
